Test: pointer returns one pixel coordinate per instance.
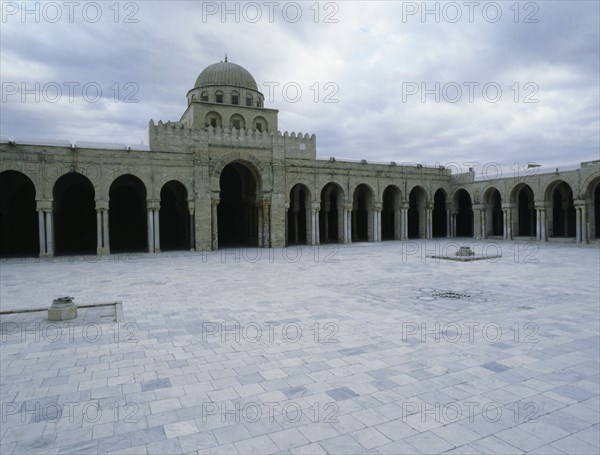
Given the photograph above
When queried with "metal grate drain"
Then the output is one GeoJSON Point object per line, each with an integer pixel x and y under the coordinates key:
{"type": "Point", "coordinates": [451, 295]}
{"type": "Point", "coordinates": [472, 295]}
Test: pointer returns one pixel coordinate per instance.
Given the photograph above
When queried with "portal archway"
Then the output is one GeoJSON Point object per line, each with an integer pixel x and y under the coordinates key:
{"type": "Point", "coordinates": [440, 222]}
{"type": "Point", "coordinates": [18, 217]}
{"type": "Point", "coordinates": [417, 227]}
{"type": "Point", "coordinates": [74, 215]}
{"type": "Point", "coordinates": [562, 220]}
{"type": "Point", "coordinates": [362, 222]}
{"type": "Point", "coordinates": [298, 215]}
{"type": "Point", "coordinates": [464, 215]}
{"type": "Point", "coordinates": [330, 222]}
{"type": "Point", "coordinates": [493, 208]}
{"type": "Point", "coordinates": [128, 225]}
{"type": "Point", "coordinates": [525, 220]}
{"type": "Point", "coordinates": [174, 217]}
{"type": "Point", "coordinates": [238, 212]}
{"type": "Point", "coordinates": [390, 213]}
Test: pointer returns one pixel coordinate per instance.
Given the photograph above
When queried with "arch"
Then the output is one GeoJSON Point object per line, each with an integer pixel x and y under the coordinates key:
{"type": "Point", "coordinates": [439, 217]}
{"type": "Point", "coordinates": [593, 207]}
{"type": "Point", "coordinates": [174, 218]}
{"type": "Point", "coordinates": [249, 100]}
{"type": "Point", "coordinates": [260, 124]}
{"type": "Point", "coordinates": [561, 219]}
{"type": "Point", "coordinates": [493, 207]}
{"type": "Point", "coordinates": [214, 120]}
{"type": "Point", "coordinates": [524, 217]}
{"type": "Point", "coordinates": [237, 213]}
{"type": "Point", "coordinates": [362, 219]}
{"type": "Point", "coordinates": [204, 97]}
{"type": "Point", "coordinates": [417, 223]}
{"type": "Point", "coordinates": [390, 213]}
{"type": "Point", "coordinates": [74, 215]}
{"type": "Point", "coordinates": [330, 216]}
{"type": "Point", "coordinates": [18, 218]}
{"type": "Point", "coordinates": [237, 121]}
{"type": "Point", "coordinates": [235, 98]}
{"type": "Point", "coordinates": [298, 216]}
{"type": "Point", "coordinates": [464, 213]}
{"type": "Point", "coordinates": [219, 97]}
{"type": "Point", "coordinates": [127, 215]}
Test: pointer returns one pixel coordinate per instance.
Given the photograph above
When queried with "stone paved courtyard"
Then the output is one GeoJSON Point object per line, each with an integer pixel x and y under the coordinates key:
{"type": "Point", "coordinates": [363, 348]}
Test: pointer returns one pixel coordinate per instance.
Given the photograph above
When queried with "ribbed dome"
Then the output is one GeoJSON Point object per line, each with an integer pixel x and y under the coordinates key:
{"type": "Point", "coordinates": [226, 73]}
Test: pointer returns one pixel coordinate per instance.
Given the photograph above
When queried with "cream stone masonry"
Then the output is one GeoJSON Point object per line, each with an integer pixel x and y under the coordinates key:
{"type": "Point", "coordinates": [225, 176]}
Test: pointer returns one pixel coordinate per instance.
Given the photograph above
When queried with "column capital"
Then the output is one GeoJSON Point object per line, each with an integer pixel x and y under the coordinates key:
{"type": "Point", "coordinates": [264, 203]}
{"type": "Point", "coordinates": [349, 207]}
{"type": "Point", "coordinates": [215, 202]}
{"type": "Point", "coordinates": [479, 206]}
{"type": "Point", "coordinates": [579, 203]}
{"type": "Point", "coordinates": [44, 204]}
{"type": "Point", "coordinates": [316, 206]}
{"type": "Point", "coordinates": [509, 205]}
{"type": "Point", "coordinates": [153, 204]}
{"type": "Point", "coordinates": [101, 205]}
{"type": "Point", "coordinates": [377, 206]}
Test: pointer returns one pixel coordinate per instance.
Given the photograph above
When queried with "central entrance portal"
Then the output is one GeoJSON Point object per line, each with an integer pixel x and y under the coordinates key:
{"type": "Point", "coordinates": [237, 212]}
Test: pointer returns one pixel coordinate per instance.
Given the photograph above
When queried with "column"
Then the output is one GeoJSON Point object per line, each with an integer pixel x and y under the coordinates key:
{"type": "Point", "coordinates": [214, 203]}
{"type": "Point", "coordinates": [150, 231]}
{"type": "Point", "coordinates": [543, 226]}
{"type": "Point", "coordinates": [448, 223]}
{"type": "Point", "coordinates": [49, 233]}
{"type": "Point", "coordinates": [42, 230]}
{"type": "Point", "coordinates": [316, 226]}
{"type": "Point", "coordinates": [192, 230]}
{"type": "Point", "coordinates": [105, 233]}
{"type": "Point", "coordinates": [404, 218]}
{"type": "Point", "coordinates": [99, 244]}
{"type": "Point", "coordinates": [347, 221]}
{"type": "Point", "coordinates": [584, 230]}
{"type": "Point", "coordinates": [577, 224]}
{"type": "Point", "coordinates": [266, 220]}
{"type": "Point", "coordinates": [156, 230]}
{"type": "Point", "coordinates": [484, 227]}
{"type": "Point", "coordinates": [538, 224]}
{"type": "Point", "coordinates": [429, 223]}
{"type": "Point", "coordinates": [509, 217]}
{"type": "Point", "coordinates": [379, 209]}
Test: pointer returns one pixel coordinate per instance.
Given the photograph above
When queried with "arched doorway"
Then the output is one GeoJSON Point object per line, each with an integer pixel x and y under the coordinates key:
{"type": "Point", "coordinates": [526, 217]}
{"type": "Point", "coordinates": [563, 211]}
{"type": "Point", "coordinates": [298, 215]}
{"type": "Point", "coordinates": [174, 217]}
{"type": "Point", "coordinates": [362, 222]}
{"type": "Point", "coordinates": [390, 214]}
{"type": "Point", "coordinates": [238, 212]}
{"type": "Point", "coordinates": [495, 223]}
{"type": "Point", "coordinates": [127, 214]}
{"type": "Point", "coordinates": [416, 213]}
{"type": "Point", "coordinates": [330, 223]}
{"type": "Point", "coordinates": [439, 228]}
{"type": "Point", "coordinates": [18, 217]}
{"type": "Point", "coordinates": [74, 215]}
{"type": "Point", "coordinates": [464, 215]}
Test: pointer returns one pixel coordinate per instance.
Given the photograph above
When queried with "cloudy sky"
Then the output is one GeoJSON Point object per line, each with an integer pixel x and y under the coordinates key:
{"type": "Point", "coordinates": [439, 82]}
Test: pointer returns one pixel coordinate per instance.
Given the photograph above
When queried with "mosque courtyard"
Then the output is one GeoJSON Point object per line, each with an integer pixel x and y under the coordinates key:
{"type": "Point", "coordinates": [359, 348]}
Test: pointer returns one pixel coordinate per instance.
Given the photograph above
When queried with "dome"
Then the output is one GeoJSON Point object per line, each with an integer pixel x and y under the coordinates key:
{"type": "Point", "coordinates": [226, 73]}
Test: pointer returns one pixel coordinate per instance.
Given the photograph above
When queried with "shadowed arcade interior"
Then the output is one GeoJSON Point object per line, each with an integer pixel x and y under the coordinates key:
{"type": "Point", "coordinates": [127, 215]}
{"type": "Point", "coordinates": [74, 215]}
{"type": "Point", "coordinates": [18, 217]}
{"type": "Point", "coordinates": [174, 217]}
{"type": "Point", "coordinates": [298, 215]}
{"type": "Point", "coordinates": [237, 211]}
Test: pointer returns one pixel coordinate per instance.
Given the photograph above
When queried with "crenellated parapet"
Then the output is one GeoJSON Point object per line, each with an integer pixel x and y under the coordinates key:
{"type": "Point", "coordinates": [177, 137]}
